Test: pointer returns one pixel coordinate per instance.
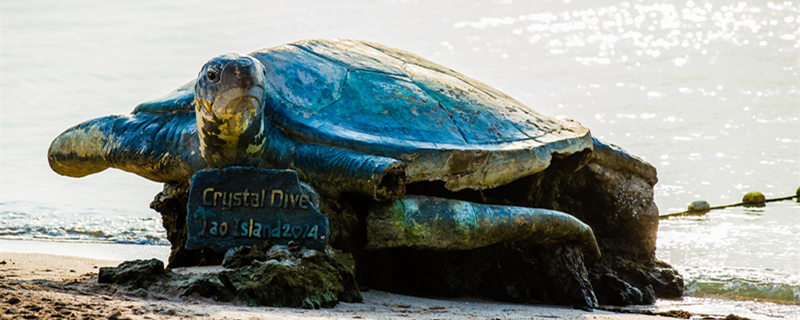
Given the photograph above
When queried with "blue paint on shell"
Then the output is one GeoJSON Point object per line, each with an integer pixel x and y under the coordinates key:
{"type": "Point", "coordinates": [302, 78]}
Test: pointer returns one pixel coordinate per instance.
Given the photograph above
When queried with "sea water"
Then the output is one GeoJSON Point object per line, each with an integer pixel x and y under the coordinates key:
{"type": "Point", "coordinates": [706, 91]}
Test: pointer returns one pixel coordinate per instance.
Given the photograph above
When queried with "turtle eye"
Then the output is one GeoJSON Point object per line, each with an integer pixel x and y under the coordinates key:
{"type": "Point", "coordinates": [212, 75]}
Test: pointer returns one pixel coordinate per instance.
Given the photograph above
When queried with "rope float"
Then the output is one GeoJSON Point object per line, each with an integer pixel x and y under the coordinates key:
{"type": "Point", "coordinates": [751, 199]}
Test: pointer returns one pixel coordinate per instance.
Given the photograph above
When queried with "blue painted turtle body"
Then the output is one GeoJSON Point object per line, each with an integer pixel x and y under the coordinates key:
{"type": "Point", "coordinates": [348, 116]}
{"type": "Point", "coordinates": [377, 100]}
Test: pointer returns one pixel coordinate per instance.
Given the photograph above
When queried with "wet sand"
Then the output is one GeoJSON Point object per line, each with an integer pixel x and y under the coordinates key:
{"type": "Point", "coordinates": [46, 286]}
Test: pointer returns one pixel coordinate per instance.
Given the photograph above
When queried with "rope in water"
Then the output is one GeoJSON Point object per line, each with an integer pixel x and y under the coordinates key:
{"type": "Point", "coordinates": [745, 202]}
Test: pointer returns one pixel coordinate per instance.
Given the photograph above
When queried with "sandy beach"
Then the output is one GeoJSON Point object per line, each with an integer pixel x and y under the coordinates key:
{"type": "Point", "coordinates": [46, 286]}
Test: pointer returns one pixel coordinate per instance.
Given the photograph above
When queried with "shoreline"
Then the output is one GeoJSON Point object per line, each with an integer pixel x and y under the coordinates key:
{"type": "Point", "coordinates": [66, 272]}
{"type": "Point", "coordinates": [43, 285]}
{"type": "Point", "coordinates": [86, 249]}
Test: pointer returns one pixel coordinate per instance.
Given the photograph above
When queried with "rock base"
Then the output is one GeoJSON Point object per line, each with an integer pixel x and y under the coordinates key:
{"type": "Point", "coordinates": [171, 203]}
{"type": "Point", "coordinates": [299, 278]}
{"type": "Point", "coordinates": [607, 188]}
{"type": "Point", "coordinates": [136, 273]}
{"type": "Point", "coordinates": [507, 271]}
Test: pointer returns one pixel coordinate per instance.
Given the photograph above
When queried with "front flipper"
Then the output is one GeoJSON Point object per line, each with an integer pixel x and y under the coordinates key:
{"type": "Point", "coordinates": [178, 101]}
{"type": "Point", "coordinates": [158, 146]}
{"type": "Point", "coordinates": [337, 169]}
{"type": "Point", "coordinates": [426, 222]}
{"type": "Point", "coordinates": [331, 169]}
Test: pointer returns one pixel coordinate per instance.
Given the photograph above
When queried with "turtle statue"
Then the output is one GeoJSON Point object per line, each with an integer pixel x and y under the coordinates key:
{"type": "Point", "coordinates": [349, 116]}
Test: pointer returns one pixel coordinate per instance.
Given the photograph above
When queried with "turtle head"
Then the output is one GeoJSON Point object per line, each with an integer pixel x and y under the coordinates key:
{"type": "Point", "coordinates": [229, 97]}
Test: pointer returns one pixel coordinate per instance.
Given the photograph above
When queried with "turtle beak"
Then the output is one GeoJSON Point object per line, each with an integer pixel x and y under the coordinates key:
{"type": "Point", "coordinates": [235, 101]}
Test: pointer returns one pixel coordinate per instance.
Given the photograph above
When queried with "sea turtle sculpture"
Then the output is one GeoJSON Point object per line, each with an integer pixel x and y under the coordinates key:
{"type": "Point", "coordinates": [349, 116]}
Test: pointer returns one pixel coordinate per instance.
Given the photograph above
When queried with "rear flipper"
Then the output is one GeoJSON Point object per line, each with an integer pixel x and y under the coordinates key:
{"type": "Point", "coordinates": [158, 146]}
{"type": "Point", "coordinates": [427, 222]}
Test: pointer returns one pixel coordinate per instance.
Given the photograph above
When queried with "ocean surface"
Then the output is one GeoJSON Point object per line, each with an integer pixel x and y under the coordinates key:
{"type": "Point", "coordinates": [706, 91]}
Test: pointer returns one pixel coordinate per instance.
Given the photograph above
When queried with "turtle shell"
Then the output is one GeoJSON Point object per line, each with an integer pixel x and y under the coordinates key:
{"type": "Point", "coordinates": [377, 100]}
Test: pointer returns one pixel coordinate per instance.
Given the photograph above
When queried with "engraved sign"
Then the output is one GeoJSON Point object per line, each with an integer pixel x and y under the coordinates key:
{"type": "Point", "coordinates": [241, 205]}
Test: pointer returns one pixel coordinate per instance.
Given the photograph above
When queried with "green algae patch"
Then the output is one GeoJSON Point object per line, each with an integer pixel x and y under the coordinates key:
{"type": "Point", "coordinates": [275, 276]}
{"type": "Point", "coordinates": [311, 280]}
